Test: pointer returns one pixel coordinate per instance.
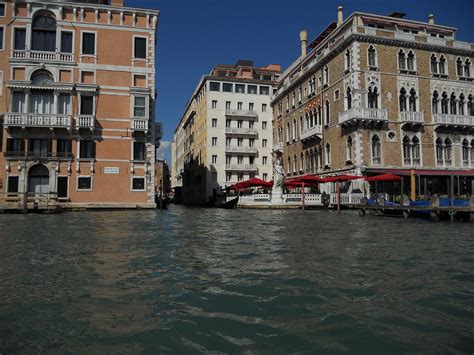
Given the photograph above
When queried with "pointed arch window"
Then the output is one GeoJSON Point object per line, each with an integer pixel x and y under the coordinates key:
{"type": "Point", "coordinates": [403, 99]}
{"type": "Point", "coordinates": [472, 152]}
{"type": "Point", "coordinates": [461, 104]}
{"type": "Point", "coordinates": [372, 97]}
{"type": "Point", "coordinates": [288, 170]}
{"type": "Point", "coordinates": [328, 154]}
{"type": "Point", "coordinates": [411, 61]}
{"type": "Point", "coordinates": [44, 32]}
{"type": "Point", "coordinates": [416, 150]}
{"type": "Point", "coordinates": [470, 105]}
{"type": "Point", "coordinates": [295, 129]}
{"type": "Point", "coordinates": [326, 75]}
{"type": "Point", "coordinates": [452, 104]}
{"type": "Point", "coordinates": [349, 149]}
{"type": "Point", "coordinates": [348, 98]}
{"type": "Point", "coordinates": [326, 107]}
{"type": "Point", "coordinates": [412, 100]}
{"type": "Point", "coordinates": [465, 153]}
{"type": "Point", "coordinates": [467, 68]}
{"type": "Point", "coordinates": [295, 164]}
{"type": "Point", "coordinates": [375, 149]}
{"type": "Point", "coordinates": [444, 103]}
{"type": "Point", "coordinates": [406, 151]}
{"type": "Point", "coordinates": [301, 161]}
{"type": "Point", "coordinates": [434, 102]}
{"type": "Point", "coordinates": [348, 59]}
{"type": "Point", "coordinates": [459, 67]}
{"type": "Point", "coordinates": [434, 64]}
{"type": "Point", "coordinates": [301, 124]}
{"type": "Point", "coordinates": [442, 65]}
{"type": "Point", "coordinates": [372, 59]}
{"type": "Point", "coordinates": [401, 60]}
{"type": "Point", "coordinates": [448, 148]}
{"type": "Point", "coordinates": [439, 151]}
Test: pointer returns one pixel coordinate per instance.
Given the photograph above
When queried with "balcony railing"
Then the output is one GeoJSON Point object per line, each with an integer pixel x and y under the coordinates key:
{"type": "Point", "coordinates": [40, 154]}
{"type": "Point", "coordinates": [310, 132]}
{"type": "Point", "coordinates": [85, 121]}
{"type": "Point", "coordinates": [412, 117]}
{"type": "Point", "coordinates": [363, 114]}
{"type": "Point", "coordinates": [42, 56]}
{"type": "Point", "coordinates": [453, 120]}
{"type": "Point", "coordinates": [241, 131]}
{"type": "Point", "coordinates": [37, 120]}
{"type": "Point", "coordinates": [241, 113]}
{"type": "Point", "coordinates": [241, 167]}
{"type": "Point", "coordinates": [278, 146]}
{"type": "Point", "coordinates": [139, 124]}
{"type": "Point", "coordinates": [240, 149]}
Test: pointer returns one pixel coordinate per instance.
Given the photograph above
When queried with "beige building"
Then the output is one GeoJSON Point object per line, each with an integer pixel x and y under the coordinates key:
{"type": "Point", "coordinates": [378, 93]}
{"type": "Point", "coordinates": [225, 134]}
{"type": "Point", "coordinates": [77, 99]}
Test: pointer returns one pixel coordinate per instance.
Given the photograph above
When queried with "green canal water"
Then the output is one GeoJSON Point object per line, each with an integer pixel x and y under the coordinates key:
{"type": "Point", "coordinates": [192, 280]}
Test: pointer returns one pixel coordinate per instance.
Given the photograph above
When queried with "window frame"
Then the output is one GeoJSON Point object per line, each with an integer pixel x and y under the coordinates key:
{"type": "Point", "coordinates": [68, 186]}
{"type": "Point", "coordinates": [91, 177]}
{"type": "Point", "coordinates": [134, 47]}
{"type": "Point", "coordinates": [80, 105]}
{"type": "Point", "coordinates": [147, 107]}
{"type": "Point", "coordinates": [141, 142]}
{"type": "Point", "coordinates": [81, 49]}
{"type": "Point", "coordinates": [14, 28]}
{"type": "Point", "coordinates": [7, 188]}
{"type": "Point", "coordinates": [94, 153]}
{"type": "Point", "coordinates": [61, 41]}
{"type": "Point", "coordinates": [3, 36]}
{"type": "Point", "coordinates": [134, 177]}
{"type": "Point", "coordinates": [5, 9]}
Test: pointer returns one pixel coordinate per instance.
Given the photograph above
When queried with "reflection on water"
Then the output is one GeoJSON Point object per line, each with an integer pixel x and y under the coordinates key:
{"type": "Point", "coordinates": [206, 280]}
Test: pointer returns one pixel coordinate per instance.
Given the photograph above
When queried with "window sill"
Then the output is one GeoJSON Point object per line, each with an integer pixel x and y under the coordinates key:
{"type": "Point", "coordinates": [409, 72]}
{"type": "Point", "coordinates": [85, 159]}
{"type": "Point", "coordinates": [437, 75]}
{"type": "Point", "coordinates": [373, 68]}
{"type": "Point", "coordinates": [138, 161]}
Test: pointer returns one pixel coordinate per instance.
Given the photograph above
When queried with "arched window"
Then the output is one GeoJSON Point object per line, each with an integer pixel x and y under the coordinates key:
{"type": "Point", "coordinates": [470, 106]}
{"type": "Point", "coordinates": [403, 99]}
{"type": "Point", "coordinates": [401, 60]}
{"type": "Point", "coordinates": [288, 170]}
{"type": "Point", "coordinates": [295, 166]}
{"type": "Point", "coordinates": [461, 103]}
{"type": "Point", "coordinates": [41, 77]}
{"type": "Point", "coordinates": [434, 102]}
{"type": "Point", "coordinates": [301, 161]}
{"type": "Point", "coordinates": [434, 64]}
{"type": "Point", "coordinates": [320, 114]}
{"type": "Point", "coordinates": [442, 65]}
{"type": "Point", "coordinates": [328, 154]}
{"type": "Point", "coordinates": [320, 157]}
{"type": "Point", "coordinates": [311, 160]}
{"type": "Point", "coordinates": [452, 104]}
{"type": "Point", "coordinates": [295, 129]}
{"type": "Point", "coordinates": [447, 151]}
{"type": "Point", "coordinates": [288, 131]}
{"type": "Point", "coordinates": [375, 149]}
{"type": "Point", "coordinates": [416, 150]}
{"type": "Point", "coordinates": [301, 124]}
{"type": "Point", "coordinates": [44, 32]}
{"type": "Point", "coordinates": [372, 97]}
{"type": "Point", "coordinates": [439, 151]}
{"type": "Point", "coordinates": [465, 152]}
{"type": "Point", "coordinates": [472, 152]}
{"type": "Point", "coordinates": [371, 55]}
{"type": "Point", "coordinates": [444, 103]}
{"type": "Point", "coordinates": [311, 118]}
{"type": "Point", "coordinates": [459, 67]}
{"type": "Point", "coordinates": [348, 59]}
{"type": "Point", "coordinates": [307, 162]}
{"type": "Point", "coordinates": [411, 61]}
{"type": "Point", "coordinates": [467, 68]}
{"type": "Point", "coordinates": [326, 106]}
{"type": "Point", "coordinates": [326, 75]}
{"type": "Point", "coordinates": [41, 100]}
{"type": "Point", "coordinates": [412, 100]}
{"type": "Point", "coordinates": [349, 147]}
{"type": "Point", "coordinates": [348, 98]}
{"type": "Point", "coordinates": [406, 151]}
{"type": "Point", "coordinates": [307, 120]}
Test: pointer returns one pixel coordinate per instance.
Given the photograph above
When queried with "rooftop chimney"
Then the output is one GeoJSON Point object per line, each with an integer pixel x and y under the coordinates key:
{"type": "Point", "coordinates": [304, 42]}
{"type": "Point", "coordinates": [340, 16]}
{"type": "Point", "coordinates": [431, 19]}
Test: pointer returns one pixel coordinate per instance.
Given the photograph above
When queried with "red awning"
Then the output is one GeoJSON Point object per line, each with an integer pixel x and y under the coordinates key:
{"type": "Point", "coordinates": [426, 172]}
{"type": "Point", "coordinates": [384, 177]}
{"type": "Point", "coordinates": [341, 178]}
{"type": "Point", "coordinates": [309, 179]}
{"type": "Point", "coordinates": [254, 182]}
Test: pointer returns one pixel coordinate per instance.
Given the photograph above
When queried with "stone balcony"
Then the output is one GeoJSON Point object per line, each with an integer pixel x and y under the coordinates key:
{"type": "Point", "coordinates": [278, 147]}
{"type": "Point", "coordinates": [42, 56]}
{"type": "Point", "coordinates": [37, 120]}
{"type": "Point", "coordinates": [461, 121]}
{"type": "Point", "coordinates": [241, 167]}
{"type": "Point", "coordinates": [411, 117]}
{"type": "Point", "coordinates": [139, 125]}
{"type": "Point", "coordinates": [241, 131]}
{"type": "Point", "coordinates": [241, 149]}
{"type": "Point", "coordinates": [241, 113]}
{"type": "Point", "coordinates": [363, 114]}
{"type": "Point", "coordinates": [312, 132]}
{"type": "Point", "coordinates": [85, 121]}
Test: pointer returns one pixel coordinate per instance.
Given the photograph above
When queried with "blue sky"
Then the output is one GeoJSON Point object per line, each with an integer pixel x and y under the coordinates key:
{"type": "Point", "coordinates": [193, 36]}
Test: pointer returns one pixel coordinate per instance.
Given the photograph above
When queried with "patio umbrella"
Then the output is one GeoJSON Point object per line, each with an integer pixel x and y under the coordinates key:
{"type": "Point", "coordinates": [384, 177]}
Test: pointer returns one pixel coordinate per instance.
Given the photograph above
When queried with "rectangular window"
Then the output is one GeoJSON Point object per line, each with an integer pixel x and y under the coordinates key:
{"type": "Point", "coordinates": [336, 95]}
{"type": "Point", "coordinates": [87, 105]}
{"type": "Point", "coordinates": [214, 122]}
{"type": "Point", "coordinates": [139, 106]}
{"type": "Point", "coordinates": [239, 105]}
{"type": "Point", "coordinates": [227, 87]}
{"type": "Point", "coordinates": [265, 176]}
{"type": "Point", "coordinates": [214, 159]}
{"type": "Point", "coordinates": [2, 10]}
{"type": "Point", "coordinates": [228, 159]}
{"type": "Point", "coordinates": [64, 104]}
{"type": "Point", "coordinates": [214, 141]}
{"type": "Point", "coordinates": [228, 141]}
{"type": "Point", "coordinates": [18, 101]}
{"type": "Point", "coordinates": [88, 43]}
{"type": "Point", "coordinates": [264, 125]}
{"type": "Point", "coordinates": [251, 142]}
{"type": "Point", "coordinates": [20, 39]}
{"type": "Point", "coordinates": [1, 37]}
{"type": "Point", "coordinates": [264, 107]}
{"type": "Point", "coordinates": [240, 159]}
{"type": "Point", "coordinates": [63, 148]}
{"type": "Point", "coordinates": [240, 124]}
{"type": "Point", "coordinates": [140, 48]}
{"type": "Point", "coordinates": [84, 183]}
{"type": "Point", "coordinates": [227, 105]}
{"type": "Point", "coordinates": [214, 104]}
{"type": "Point", "coordinates": [228, 177]}
{"type": "Point", "coordinates": [240, 176]}
{"type": "Point", "coordinates": [264, 143]}
{"type": "Point", "coordinates": [264, 90]}
{"type": "Point", "coordinates": [139, 151]}
{"type": "Point", "coordinates": [252, 89]}
{"type": "Point", "coordinates": [39, 147]}
{"type": "Point", "coordinates": [215, 86]}
{"type": "Point", "coordinates": [66, 42]}
{"type": "Point", "coordinates": [239, 88]}
{"type": "Point", "coordinates": [227, 123]}
{"type": "Point", "coordinates": [86, 149]}
{"type": "Point", "coordinates": [264, 160]}
{"type": "Point", "coordinates": [251, 106]}
{"type": "Point", "coordinates": [63, 186]}
{"type": "Point", "coordinates": [240, 142]}
{"type": "Point", "coordinates": [138, 183]}
{"type": "Point", "coordinates": [12, 184]}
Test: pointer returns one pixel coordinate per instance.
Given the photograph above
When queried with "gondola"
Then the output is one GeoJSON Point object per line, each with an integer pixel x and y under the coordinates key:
{"type": "Point", "coordinates": [228, 204]}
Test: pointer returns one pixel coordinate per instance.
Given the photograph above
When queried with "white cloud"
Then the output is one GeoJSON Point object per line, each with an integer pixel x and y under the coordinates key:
{"type": "Point", "coordinates": [164, 151]}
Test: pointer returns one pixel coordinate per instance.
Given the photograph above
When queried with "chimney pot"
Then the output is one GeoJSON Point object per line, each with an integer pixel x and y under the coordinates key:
{"type": "Point", "coordinates": [431, 19]}
{"type": "Point", "coordinates": [340, 15]}
{"type": "Point", "coordinates": [303, 42]}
